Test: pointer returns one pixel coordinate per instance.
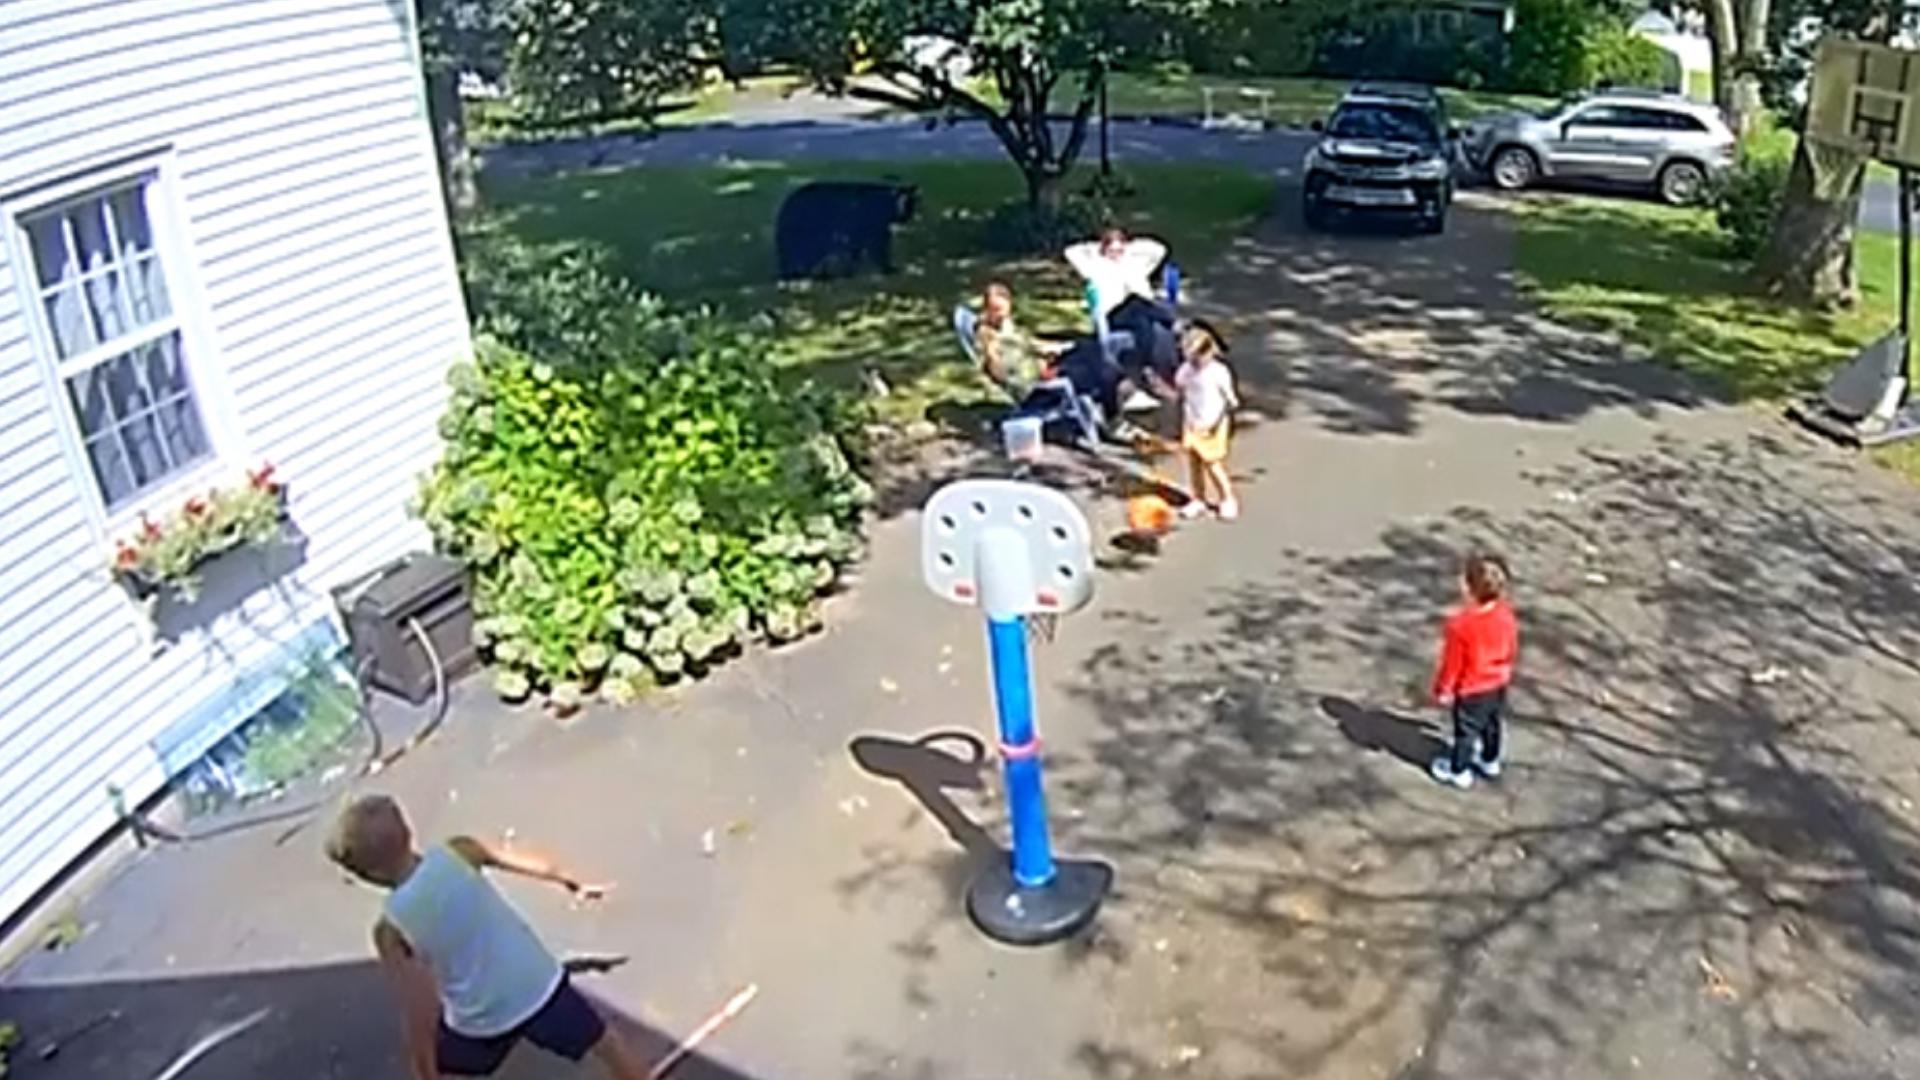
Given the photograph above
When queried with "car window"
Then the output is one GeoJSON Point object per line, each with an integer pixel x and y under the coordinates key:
{"type": "Point", "coordinates": [1670, 120]}
{"type": "Point", "coordinates": [1392, 123]}
{"type": "Point", "coordinates": [1601, 116]}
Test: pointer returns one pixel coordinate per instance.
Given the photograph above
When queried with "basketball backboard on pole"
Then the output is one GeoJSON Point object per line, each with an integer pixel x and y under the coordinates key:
{"type": "Point", "coordinates": [1865, 101]}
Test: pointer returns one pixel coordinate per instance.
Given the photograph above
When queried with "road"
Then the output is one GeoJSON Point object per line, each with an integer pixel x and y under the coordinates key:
{"type": "Point", "coordinates": [1133, 142]}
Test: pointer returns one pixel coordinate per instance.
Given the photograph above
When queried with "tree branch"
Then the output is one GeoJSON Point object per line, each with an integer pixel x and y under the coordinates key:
{"type": "Point", "coordinates": [1082, 113]}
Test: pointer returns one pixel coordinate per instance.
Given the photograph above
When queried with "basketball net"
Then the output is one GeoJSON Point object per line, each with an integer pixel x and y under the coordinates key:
{"type": "Point", "coordinates": [1041, 626]}
{"type": "Point", "coordinates": [1834, 169]}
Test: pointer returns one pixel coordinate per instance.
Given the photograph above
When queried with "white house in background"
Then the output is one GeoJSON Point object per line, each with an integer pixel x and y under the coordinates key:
{"type": "Point", "coordinates": [1690, 53]}
{"type": "Point", "coordinates": [222, 243]}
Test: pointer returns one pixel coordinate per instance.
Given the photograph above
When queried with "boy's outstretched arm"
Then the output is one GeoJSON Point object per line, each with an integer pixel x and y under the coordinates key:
{"type": "Point", "coordinates": [484, 856]}
{"type": "Point", "coordinates": [419, 999]}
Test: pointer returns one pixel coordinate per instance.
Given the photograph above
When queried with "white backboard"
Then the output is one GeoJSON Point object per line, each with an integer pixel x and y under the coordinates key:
{"type": "Point", "coordinates": [1864, 98]}
{"type": "Point", "coordinates": [1041, 537]}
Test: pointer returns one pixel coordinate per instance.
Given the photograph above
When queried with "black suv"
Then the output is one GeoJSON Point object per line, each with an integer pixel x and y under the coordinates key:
{"type": "Point", "coordinates": [1387, 149]}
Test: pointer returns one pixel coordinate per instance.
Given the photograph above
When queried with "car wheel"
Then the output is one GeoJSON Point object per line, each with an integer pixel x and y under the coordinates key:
{"type": "Point", "coordinates": [1313, 212]}
{"type": "Point", "coordinates": [1513, 168]}
{"type": "Point", "coordinates": [1682, 183]}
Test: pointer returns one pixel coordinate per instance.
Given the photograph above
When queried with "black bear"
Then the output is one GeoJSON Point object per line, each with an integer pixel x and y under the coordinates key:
{"type": "Point", "coordinates": [833, 228]}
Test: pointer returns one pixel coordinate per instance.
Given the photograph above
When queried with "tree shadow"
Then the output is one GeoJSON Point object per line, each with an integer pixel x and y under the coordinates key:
{"type": "Point", "coordinates": [1713, 859]}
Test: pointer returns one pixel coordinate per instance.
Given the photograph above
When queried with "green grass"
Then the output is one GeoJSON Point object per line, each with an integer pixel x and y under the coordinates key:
{"type": "Point", "coordinates": [1660, 277]}
{"type": "Point", "coordinates": [1294, 101]}
{"type": "Point", "coordinates": [503, 119]}
{"type": "Point", "coordinates": [705, 235]}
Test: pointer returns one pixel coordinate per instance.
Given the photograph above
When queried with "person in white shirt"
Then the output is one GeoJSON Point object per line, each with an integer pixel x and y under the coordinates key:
{"type": "Point", "coordinates": [1207, 400]}
{"type": "Point", "coordinates": [1117, 266]}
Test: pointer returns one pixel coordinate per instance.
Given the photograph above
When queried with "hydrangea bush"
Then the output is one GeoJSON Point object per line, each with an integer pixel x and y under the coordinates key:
{"type": "Point", "coordinates": [636, 493]}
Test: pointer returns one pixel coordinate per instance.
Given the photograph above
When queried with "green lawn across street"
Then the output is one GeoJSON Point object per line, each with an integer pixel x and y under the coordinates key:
{"type": "Point", "coordinates": [705, 235]}
{"type": "Point", "coordinates": [1284, 101]}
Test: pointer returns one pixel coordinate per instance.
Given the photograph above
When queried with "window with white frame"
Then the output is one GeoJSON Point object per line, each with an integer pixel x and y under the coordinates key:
{"type": "Point", "coordinates": [101, 281]}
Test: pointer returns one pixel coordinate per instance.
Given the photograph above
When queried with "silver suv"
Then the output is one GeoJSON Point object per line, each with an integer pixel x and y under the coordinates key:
{"type": "Point", "coordinates": [1644, 138]}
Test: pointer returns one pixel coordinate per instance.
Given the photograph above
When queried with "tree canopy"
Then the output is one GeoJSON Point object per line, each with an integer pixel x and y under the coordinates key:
{"type": "Point", "coordinates": [1001, 61]}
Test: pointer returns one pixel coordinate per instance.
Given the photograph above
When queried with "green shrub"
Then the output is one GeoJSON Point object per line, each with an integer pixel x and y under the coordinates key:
{"type": "Point", "coordinates": [1017, 228]}
{"type": "Point", "coordinates": [1613, 55]}
{"type": "Point", "coordinates": [1747, 197]}
{"type": "Point", "coordinates": [1546, 51]}
{"type": "Point", "coordinates": [638, 495]}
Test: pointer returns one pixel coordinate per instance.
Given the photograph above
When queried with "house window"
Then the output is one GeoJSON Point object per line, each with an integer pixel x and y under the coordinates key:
{"type": "Point", "coordinates": [102, 287]}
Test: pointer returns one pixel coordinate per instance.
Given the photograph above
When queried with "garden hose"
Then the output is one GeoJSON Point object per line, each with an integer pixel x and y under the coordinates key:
{"type": "Point", "coordinates": [376, 760]}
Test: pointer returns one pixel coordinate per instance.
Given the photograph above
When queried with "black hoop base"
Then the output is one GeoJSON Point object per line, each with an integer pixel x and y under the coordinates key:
{"type": "Point", "coordinates": [1009, 912]}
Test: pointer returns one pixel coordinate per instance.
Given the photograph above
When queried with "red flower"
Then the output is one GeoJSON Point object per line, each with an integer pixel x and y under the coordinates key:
{"type": "Point", "coordinates": [262, 477]}
{"type": "Point", "coordinates": [126, 556]}
{"type": "Point", "coordinates": [148, 530]}
{"type": "Point", "coordinates": [196, 506]}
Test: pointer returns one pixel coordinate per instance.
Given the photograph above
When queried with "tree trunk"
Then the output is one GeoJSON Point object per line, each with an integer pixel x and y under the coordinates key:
{"type": "Point", "coordinates": [1737, 32]}
{"type": "Point", "coordinates": [1723, 38]}
{"type": "Point", "coordinates": [1809, 254]}
{"type": "Point", "coordinates": [1043, 190]}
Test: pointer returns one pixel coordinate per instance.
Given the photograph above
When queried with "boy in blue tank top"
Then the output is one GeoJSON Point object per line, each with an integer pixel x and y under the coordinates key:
{"type": "Point", "coordinates": [473, 978]}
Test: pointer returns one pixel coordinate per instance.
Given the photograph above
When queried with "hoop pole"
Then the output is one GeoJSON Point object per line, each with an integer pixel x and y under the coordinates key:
{"type": "Point", "coordinates": [1013, 704]}
{"type": "Point", "coordinates": [1906, 276]}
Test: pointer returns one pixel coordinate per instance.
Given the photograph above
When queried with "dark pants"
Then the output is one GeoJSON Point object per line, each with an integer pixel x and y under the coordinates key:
{"type": "Point", "coordinates": [1478, 720]}
{"type": "Point", "coordinates": [1086, 366]}
{"type": "Point", "coordinates": [1155, 348]}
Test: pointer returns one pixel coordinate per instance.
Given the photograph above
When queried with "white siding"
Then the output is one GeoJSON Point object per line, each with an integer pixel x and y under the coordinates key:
{"type": "Point", "coordinates": [323, 289]}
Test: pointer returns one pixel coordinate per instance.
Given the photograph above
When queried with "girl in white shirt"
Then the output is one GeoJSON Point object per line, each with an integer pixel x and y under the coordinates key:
{"type": "Point", "coordinates": [1207, 400]}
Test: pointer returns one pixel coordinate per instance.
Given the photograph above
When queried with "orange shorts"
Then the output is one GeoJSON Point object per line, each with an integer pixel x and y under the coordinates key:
{"type": "Point", "coordinates": [1208, 446]}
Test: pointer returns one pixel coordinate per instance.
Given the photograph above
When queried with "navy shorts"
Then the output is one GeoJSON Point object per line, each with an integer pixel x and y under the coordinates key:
{"type": "Point", "coordinates": [567, 1025]}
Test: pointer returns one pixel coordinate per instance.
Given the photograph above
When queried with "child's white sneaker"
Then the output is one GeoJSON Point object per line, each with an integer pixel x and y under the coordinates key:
{"type": "Point", "coordinates": [1442, 770]}
{"type": "Point", "coordinates": [1229, 509]}
{"type": "Point", "coordinates": [1194, 510]}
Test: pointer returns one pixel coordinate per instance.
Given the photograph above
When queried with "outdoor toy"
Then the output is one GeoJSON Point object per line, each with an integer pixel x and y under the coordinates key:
{"type": "Point", "coordinates": [1017, 551]}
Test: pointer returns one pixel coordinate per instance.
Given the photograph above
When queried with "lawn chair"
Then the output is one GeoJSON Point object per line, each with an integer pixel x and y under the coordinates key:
{"type": "Point", "coordinates": [1063, 405]}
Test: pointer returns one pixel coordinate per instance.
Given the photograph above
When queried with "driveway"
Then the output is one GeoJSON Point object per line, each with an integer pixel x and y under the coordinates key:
{"type": "Point", "coordinates": [1703, 864]}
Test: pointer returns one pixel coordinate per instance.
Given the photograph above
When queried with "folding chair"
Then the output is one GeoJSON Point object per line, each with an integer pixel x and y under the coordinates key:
{"type": "Point", "coordinates": [1062, 403]}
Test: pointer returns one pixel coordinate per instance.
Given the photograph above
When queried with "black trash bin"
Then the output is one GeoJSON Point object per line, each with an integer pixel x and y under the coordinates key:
{"type": "Point", "coordinates": [388, 612]}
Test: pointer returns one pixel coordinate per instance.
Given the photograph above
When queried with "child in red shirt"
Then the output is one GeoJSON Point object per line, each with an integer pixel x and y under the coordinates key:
{"type": "Point", "coordinates": [1476, 664]}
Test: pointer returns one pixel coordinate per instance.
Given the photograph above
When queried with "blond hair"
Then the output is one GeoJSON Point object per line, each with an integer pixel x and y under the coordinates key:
{"type": "Point", "coordinates": [370, 832]}
{"type": "Point", "coordinates": [1200, 343]}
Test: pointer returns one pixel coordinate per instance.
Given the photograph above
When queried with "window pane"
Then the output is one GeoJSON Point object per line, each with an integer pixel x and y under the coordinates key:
{"type": "Point", "coordinates": [107, 301]}
{"type": "Point", "coordinates": [67, 319]}
{"type": "Point", "coordinates": [141, 436]}
{"type": "Point", "coordinates": [147, 289]}
{"type": "Point", "coordinates": [88, 390]}
{"type": "Point", "coordinates": [110, 469]}
{"type": "Point", "coordinates": [181, 432]}
{"type": "Point", "coordinates": [90, 235]}
{"type": "Point", "coordinates": [129, 209]}
{"type": "Point", "coordinates": [126, 391]}
{"type": "Point", "coordinates": [165, 369]}
{"type": "Point", "coordinates": [50, 260]}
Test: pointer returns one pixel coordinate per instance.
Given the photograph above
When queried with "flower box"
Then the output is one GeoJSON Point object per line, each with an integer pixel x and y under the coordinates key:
{"type": "Point", "coordinates": [169, 555]}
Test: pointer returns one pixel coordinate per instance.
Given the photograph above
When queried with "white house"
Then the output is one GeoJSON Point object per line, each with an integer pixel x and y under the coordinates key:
{"type": "Point", "coordinates": [1689, 53]}
{"type": "Point", "coordinates": [222, 243]}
